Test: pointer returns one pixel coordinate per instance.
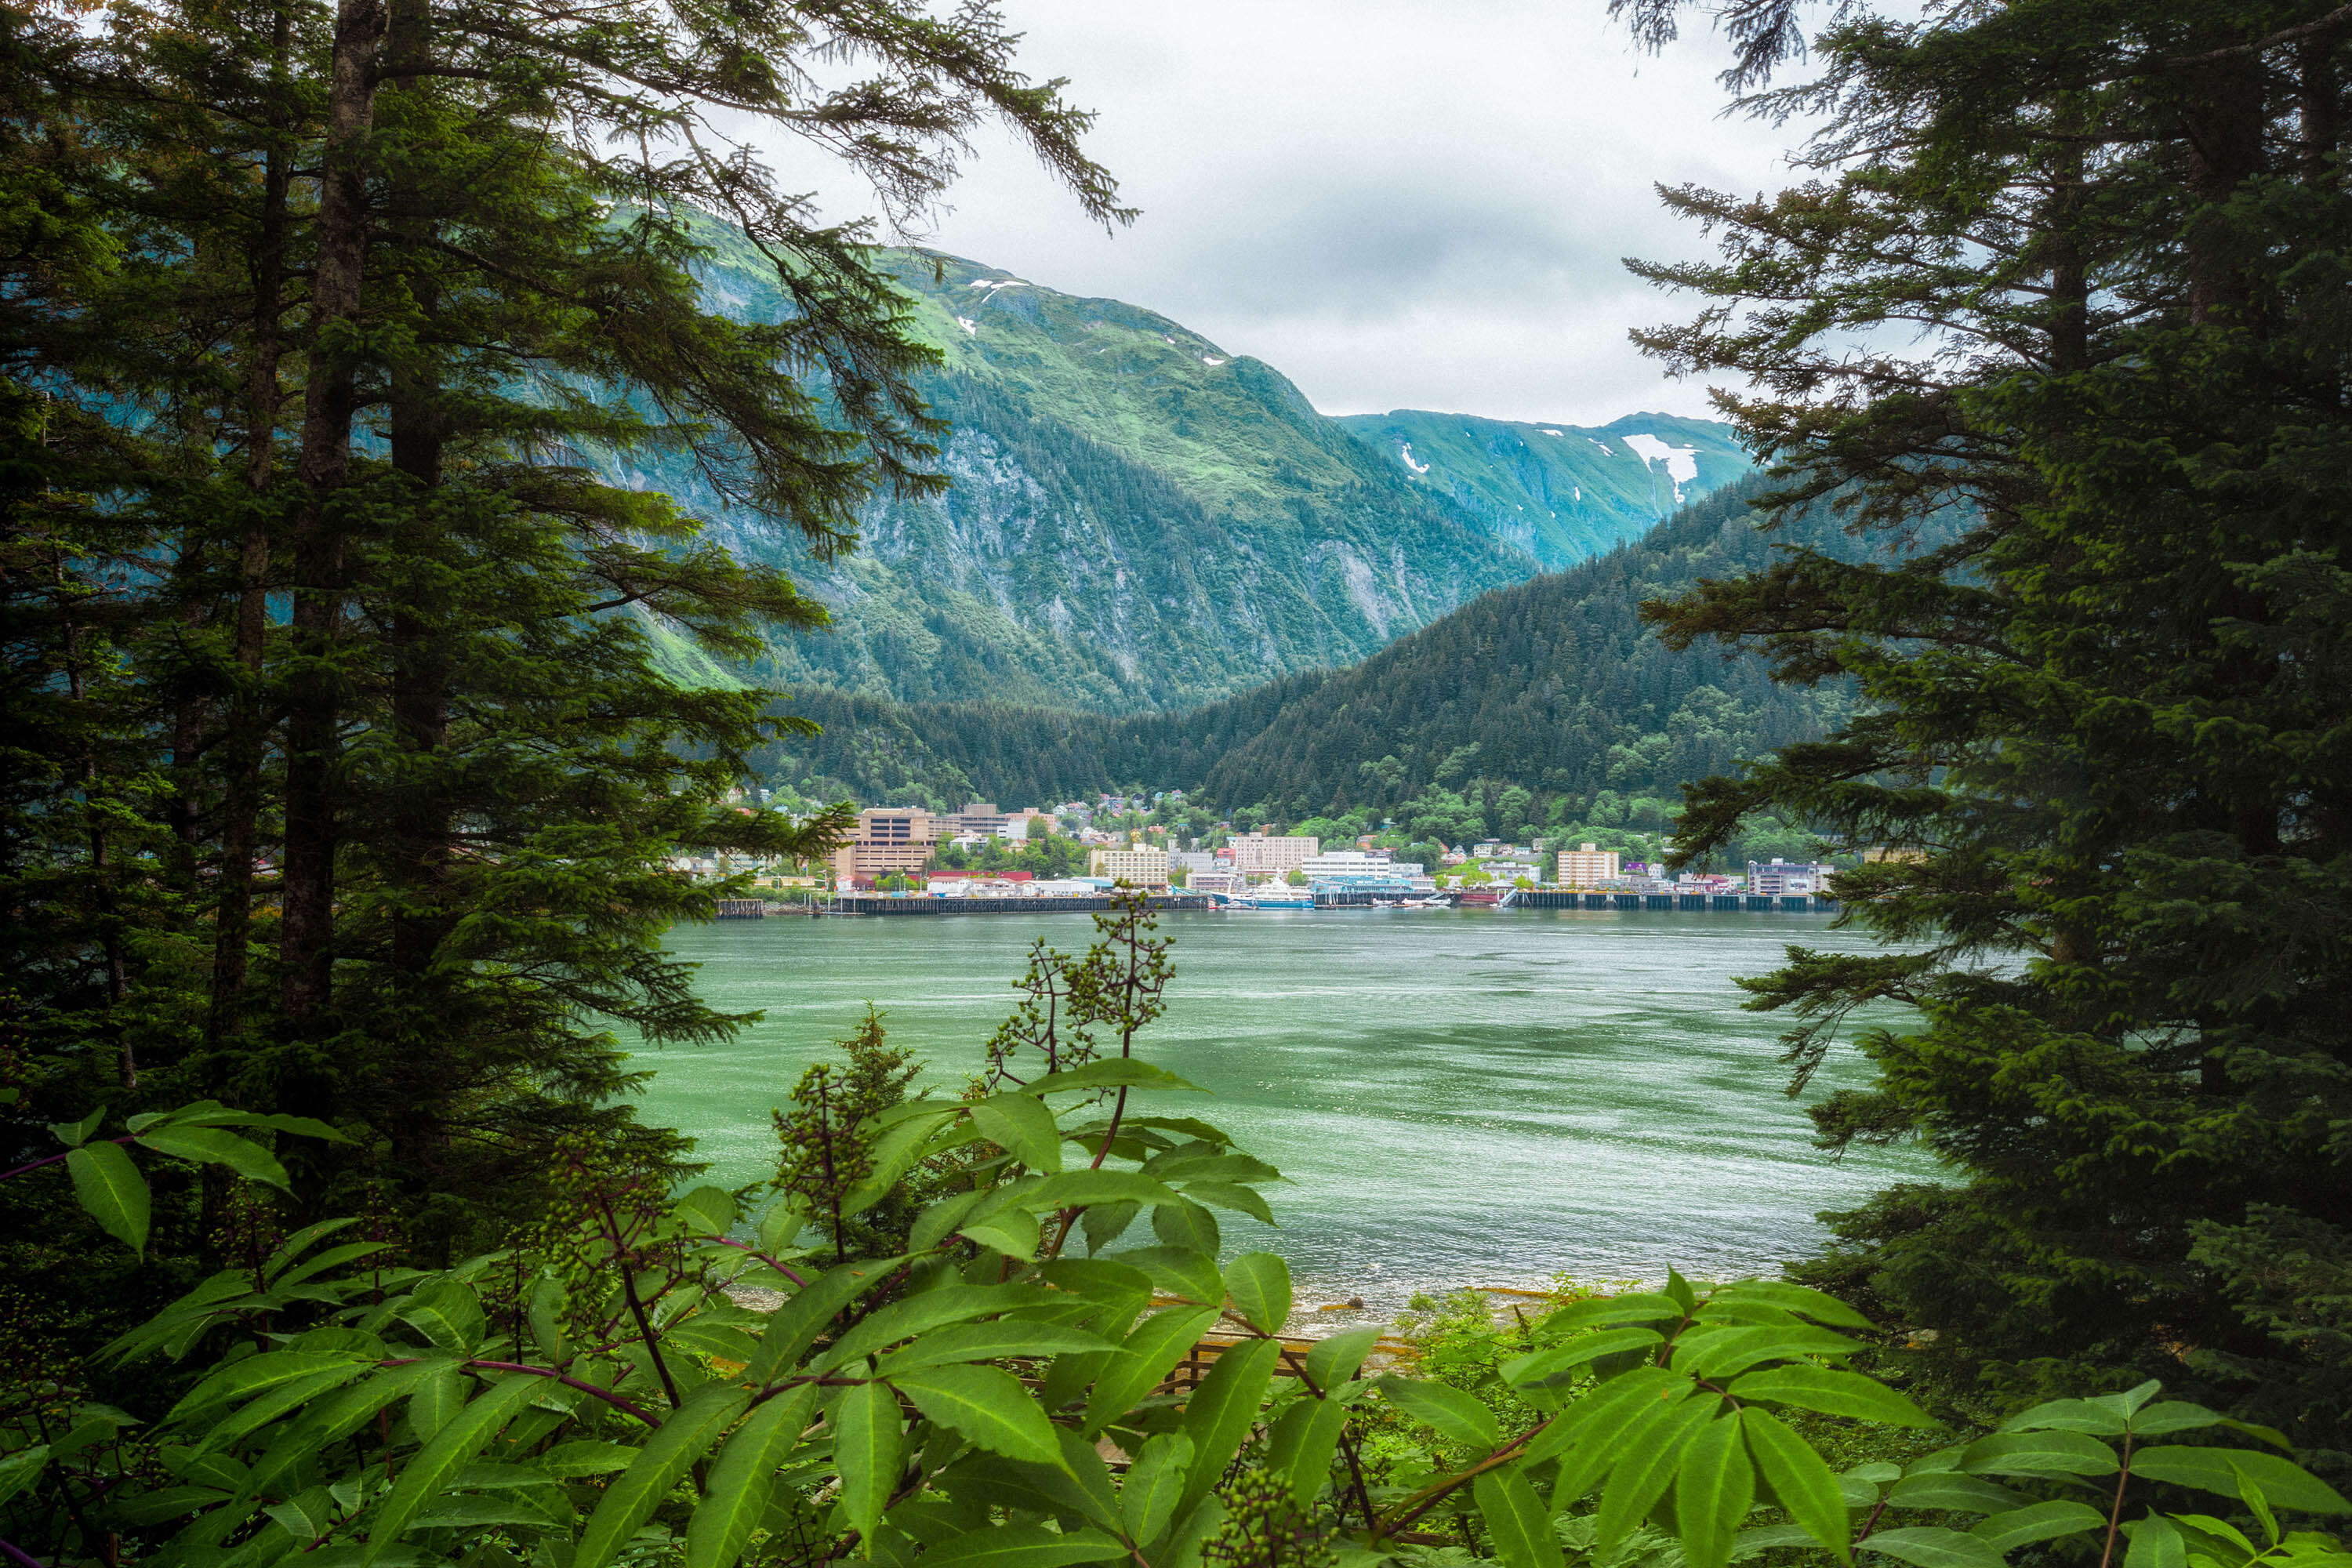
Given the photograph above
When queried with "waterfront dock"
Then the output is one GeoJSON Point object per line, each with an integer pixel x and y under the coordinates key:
{"type": "Point", "coordinates": [1684, 903]}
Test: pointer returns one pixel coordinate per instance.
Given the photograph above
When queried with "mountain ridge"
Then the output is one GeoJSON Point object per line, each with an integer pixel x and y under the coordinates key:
{"type": "Point", "coordinates": [1136, 521]}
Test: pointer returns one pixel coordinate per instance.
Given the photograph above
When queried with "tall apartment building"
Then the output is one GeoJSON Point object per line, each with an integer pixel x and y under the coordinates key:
{"type": "Point", "coordinates": [1586, 867]}
{"type": "Point", "coordinates": [890, 841]}
{"type": "Point", "coordinates": [1138, 866]}
{"type": "Point", "coordinates": [1255, 855]}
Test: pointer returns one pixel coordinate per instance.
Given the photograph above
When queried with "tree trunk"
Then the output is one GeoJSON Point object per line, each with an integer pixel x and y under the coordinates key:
{"type": "Point", "coordinates": [307, 883]}
{"type": "Point", "coordinates": [241, 802]}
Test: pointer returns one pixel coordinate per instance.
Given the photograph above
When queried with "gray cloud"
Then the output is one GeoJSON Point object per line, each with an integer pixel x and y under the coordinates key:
{"type": "Point", "coordinates": [1397, 203]}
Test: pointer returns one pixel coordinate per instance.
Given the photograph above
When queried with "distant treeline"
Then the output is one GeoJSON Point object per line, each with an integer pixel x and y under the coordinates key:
{"type": "Point", "coordinates": [1552, 687]}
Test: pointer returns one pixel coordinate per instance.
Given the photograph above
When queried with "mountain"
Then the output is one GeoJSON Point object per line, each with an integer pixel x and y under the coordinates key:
{"type": "Point", "coordinates": [1562, 493]}
{"type": "Point", "coordinates": [1550, 688]}
{"type": "Point", "coordinates": [1137, 519]}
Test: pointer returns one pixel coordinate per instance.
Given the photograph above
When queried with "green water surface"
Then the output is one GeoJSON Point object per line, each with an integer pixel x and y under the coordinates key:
{"type": "Point", "coordinates": [1468, 1097]}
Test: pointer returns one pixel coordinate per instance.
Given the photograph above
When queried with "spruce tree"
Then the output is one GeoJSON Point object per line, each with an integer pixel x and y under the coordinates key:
{"type": "Point", "coordinates": [352, 763]}
{"type": "Point", "coordinates": [2101, 738]}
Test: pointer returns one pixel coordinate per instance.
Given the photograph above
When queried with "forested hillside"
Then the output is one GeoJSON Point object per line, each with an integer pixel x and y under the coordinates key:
{"type": "Point", "coordinates": [1524, 705]}
{"type": "Point", "coordinates": [1135, 519]}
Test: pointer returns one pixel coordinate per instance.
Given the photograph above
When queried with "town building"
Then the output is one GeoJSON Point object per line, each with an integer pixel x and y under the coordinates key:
{"type": "Point", "coordinates": [888, 841]}
{"type": "Point", "coordinates": [978, 817]}
{"type": "Point", "coordinates": [1340, 868]}
{"type": "Point", "coordinates": [1138, 866]}
{"type": "Point", "coordinates": [1587, 866]}
{"type": "Point", "coordinates": [1257, 854]}
{"type": "Point", "coordinates": [1790, 877]}
{"type": "Point", "coordinates": [1216, 882]}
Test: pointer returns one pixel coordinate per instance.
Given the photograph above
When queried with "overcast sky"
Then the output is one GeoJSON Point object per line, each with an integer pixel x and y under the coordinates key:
{"type": "Point", "coordinates": [1399, 204]}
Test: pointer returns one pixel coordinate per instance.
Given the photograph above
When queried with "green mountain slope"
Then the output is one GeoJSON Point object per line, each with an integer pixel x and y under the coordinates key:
{"type": "Point", "coordinates": [1136, 520]}
{"type": "Point", "coordinates": [1550, 688]}
{"type": "Point", "coordinates": [1562, 493]}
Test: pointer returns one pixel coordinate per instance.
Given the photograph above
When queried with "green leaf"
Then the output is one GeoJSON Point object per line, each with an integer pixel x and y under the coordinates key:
{"type": "Point", "coordinates": [1780, 1293]}
{"type": "Point", "coordinates": [987, 1405]}
{"type": "Point", "coordinates": [1298, 1450]}
{"type": "Point", "coordinates": [2155, 1543]}
{"type": "Point", "coordinates": [1715, 1486]}
{"type": "Point", "coordinates": [866, 1449]}
{"type": "Point", "coordinates": [1929, 1547]}
{"type": "Point", "coordinates": [74, 1134]}
{"type": "Point", "coordinates": [1231, 1196]}
{"type": "Point", "coordinates": [440, 1395]}
{"type": "Point", "coordinates": [1549, 1368]}
{"type": "Point", "coordinates": [2251, 1492]}
{"type": "Point", "coordinates": [2173, 1416]}
{"type": "Point", "coordinates": [1113, 1072]}
{"type": "Point", "coordinates": [1459, 1417]}
{"type": "Point", "coordinates": [998, 1340]}
{"type": "Point", "coordinates": [706, 1210]}
{"type": "Point", "coordinates": [1649, 1451]}
{"type": "Point", "coordinates": [210, 1145]}
{"type": "Point", "coordinates": [2005, 1532]}
{"type": "Point", "coordinates": [2051, 1453]}
{"type": "Point", "coordinates": [1612, 1309]}
{"type": "Point", "coordinates": [2283, 1481]}
{"type": "Point", "coordinates": [1679, 1291]}
{"type": "Point", "coordinates": [1155, 1483]}
{"type": "Point", "coordinates": [1717, 1353]}
{"type": "Point", "coordinates": [1334, 1360]}
{"type": "Point", "coordinates": [1144, 1358]}
{"type": "Point", "coordinates": [1021, 1126]}
{"type": "Point", "coordinates": [1221, 1412]}
{"type": "Point", "coordinates": [1023, 1546]}
{"type": "Point", "coordinates": [430, 1472]}
{"type": "Point", "coordinates": [1011, 1231]}
{"type": "Point", "coordinates": [2071, 1416]}
{"type": "Point", "coordinates": [939, 1221]}
{"type": "Point", "coordinates": [743, 1481]}
{"type": "Point", "coordinates": [112, 1191]}
{"type": "Point", "coordinates": [1106, 1222]}
{"type": "Point", "coordinates": [1187, 1224]}
{"type": "Point", "coordinates": [21, 1469]}
{"type": "Point", "coordinates": [587, 1457]}
{"type": "Point", "coordinates": [1181, 1272]}
{"type": "Point", "coordinates": [794, 1326]}
{"type": "Point", "coordinates": [1953, 1493]}
{"type": "Point", "coordinates": [1586, 1425]}
{"type": "Point", "coordinates": [1259, 1284]}
{"type": "Point", "coordinates": [256, 1374]}
{"type": "Point", "coordinates": [1831, 1392]}
{"type": "Point", "coordinates": [1799, 1479]}
{"type": "Point", "coordinates": [1081, 1189]}
{"type": "Point", "coordinates": [1767, 1538]}
{"type": "Point", "coordinates": [1517, 1520]}
{"type": "Point", "coordinates": [891, 1156]}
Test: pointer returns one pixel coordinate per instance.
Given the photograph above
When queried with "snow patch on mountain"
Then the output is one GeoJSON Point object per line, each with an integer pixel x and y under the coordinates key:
{"type": "Point", "coordinates": [1407, 455]}
{"type": "Point", "coordinates": [1682, 462]}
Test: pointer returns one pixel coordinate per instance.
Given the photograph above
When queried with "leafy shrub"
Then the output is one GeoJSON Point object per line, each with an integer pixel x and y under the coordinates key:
{"type": "Point", "coordinates": [998, 1392]}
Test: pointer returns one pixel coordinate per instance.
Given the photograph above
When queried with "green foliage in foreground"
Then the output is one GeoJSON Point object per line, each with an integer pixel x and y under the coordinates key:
{"type": "Point", "coordinates": [989, 1395]}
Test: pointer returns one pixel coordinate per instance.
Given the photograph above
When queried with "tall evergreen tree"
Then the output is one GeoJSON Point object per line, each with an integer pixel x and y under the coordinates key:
{"type": "Point", "coordinates": [2075, 272]}
{"type": "Point", "coordinates": [339, 311]}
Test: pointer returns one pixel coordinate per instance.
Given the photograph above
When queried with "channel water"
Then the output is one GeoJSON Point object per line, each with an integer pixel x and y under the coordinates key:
{"type": "Point", "coordinates": [1473, 1098]}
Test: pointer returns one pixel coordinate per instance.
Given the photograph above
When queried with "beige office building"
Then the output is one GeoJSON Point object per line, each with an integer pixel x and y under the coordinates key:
{"type": "Point", "coordinates": [889, 842]}
{"type": "Point", "coordinates": [1587, 866]}
{"type": "Point", "coordinates": [1139, 866]}
{"type": "Point", "coordinates": [1255, 855]}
